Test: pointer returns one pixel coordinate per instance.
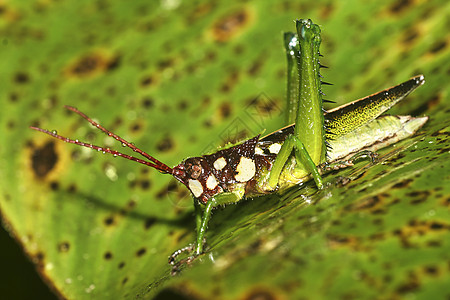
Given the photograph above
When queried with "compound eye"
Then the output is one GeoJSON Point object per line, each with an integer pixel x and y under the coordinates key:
{"type": "Point", "coordinates": [196, 171]}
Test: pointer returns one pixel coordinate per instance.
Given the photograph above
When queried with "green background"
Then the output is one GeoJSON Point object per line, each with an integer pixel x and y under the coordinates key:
{"type": "Point", "coordinates": [179, 79]}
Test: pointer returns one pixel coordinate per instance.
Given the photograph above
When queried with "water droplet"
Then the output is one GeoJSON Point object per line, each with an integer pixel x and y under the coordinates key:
{"type": "Point", "coordinates": [89, 288]}
{"type": "Point", "coordinates": [54, 132]}
{"type": "Point", "coordinates": [111, 172]}
{"type": "Point", "coordinates": [124, 145]}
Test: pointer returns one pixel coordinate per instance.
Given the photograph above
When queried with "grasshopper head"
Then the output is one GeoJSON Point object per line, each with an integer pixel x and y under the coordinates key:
{"type": "Point", "coordinates": [196, 174]}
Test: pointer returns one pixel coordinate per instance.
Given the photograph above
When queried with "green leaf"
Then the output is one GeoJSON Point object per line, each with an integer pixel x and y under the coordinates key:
{"type": "Point", "coordinates": [179, 79]}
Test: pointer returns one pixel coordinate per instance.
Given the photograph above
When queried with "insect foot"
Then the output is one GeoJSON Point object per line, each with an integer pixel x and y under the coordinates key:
{"type": "Point", "coordinates": [177, 266]}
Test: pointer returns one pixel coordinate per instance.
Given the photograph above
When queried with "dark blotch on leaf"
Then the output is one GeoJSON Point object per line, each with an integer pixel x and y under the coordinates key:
{"type": "Point", "coordinates": [225, 110]}
{"type": "Point", "coordinates": [108, 255]}
{"type": "Point", "coordinates": [124, 280]}
{"type": "Point", "coordinates": [135, 127]}
{"type": "Point", "coordinates": [165, 63]}
{"type": "Point", "coordinates": [109, 221]}
{"type": "Point", "coordinates": [145, 184]}
{"type": "Point", "coordinates": [410, 36]}
{"type": "Point", "coordinates": [400, 5]}
{"type": "Point", "coordinates": [91, 64]}
{"type": "Point", "coordinates": [229, 26]}
{"type": "Point", "coordinates": [13, 97]}
{"type": "Point", "coordinates": [182, 105]}
{"type": "Point", "coordinates": [408, 287]}
{"type": "Point", "coordinates": [54, 185]}
{"type": "Point", "coordinates": [431, 270]}
{"type": "Point", "coordinates": [141, 252]}
{"type": "Point", "coordinates": [259, 294]}
{"type": "Point", "coordinates": [21, 78]}
{"type": "Point", "coordinates": [11, 124]}
{"type": "Point", "coordinates": [44, 159]}
{"type": "Point", "coordinates": [72, 188]}
{"type": "Point", "coordinates": [165, 144]}
{"type": "Point", "coordinates": [121, 265]}
{"type": "Point", "coordinates": [131, 204]}
{"type": "Point", "coordinates": [437, 226]}
{"type": "Point", "coordinates": [64, 247]}
{"type": "Point", "coordinates": [438, 46]}
{"type": "Point", "coordinates": [326, 11]}
{"type": "Point", "coordinates": [402, 184]}
{"type": "Point", "coordinates": [175, 295]}
{"type": "Point", "coordinates": [434, 243]}
{"type": "Point", "coordinates": [149, 222]}
{"type": "Point", "coordinates": [147, 81]}
{"type": "Point", "coordinates": [419, 194]}
{"type": "Point", "coordinates": [147, 102]}
{"type": "Point", "coordinates": [39, 259]}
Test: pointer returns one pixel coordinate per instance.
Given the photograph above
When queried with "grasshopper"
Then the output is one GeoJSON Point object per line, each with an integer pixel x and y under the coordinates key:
{"type": "Point", "coordinates": [318, 140]}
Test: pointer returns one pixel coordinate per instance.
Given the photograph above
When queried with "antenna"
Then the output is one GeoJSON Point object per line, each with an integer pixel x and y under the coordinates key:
{"type": "Point", "coordinates": [154, 163]}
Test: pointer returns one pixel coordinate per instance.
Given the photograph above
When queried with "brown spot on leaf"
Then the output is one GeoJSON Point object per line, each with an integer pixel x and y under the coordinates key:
{"type": "Point", "coordinates": [121, 265]}
{"type": "Point", "coordinates": [402, 184]}
{"type": "Point", "coordinates": [72, 188]}
{"type": "Point", "coordinates": [131, 204]}
{"type": "Point", "coordinates": [256, 66]}
{"type": "Point", "coordinates": [149, 222]}
{"type": "Point", "coordinates": [135, 127]}
{"type": "Point", "coordinates": [230, 25]}
{"type": "Point", "coordinates": [411, 284]}
{"type": "Point", "coordinates": [438, 46]}
{"type": "Point", "coordinates": [182, 105]}
{"type": "Point", "coordinates": [54, 185]}
{"type": "Point", "coordinates": [410, 36]}
{"type": "Point", "coordinates": [44, 159]}
{"type": "Point", "coordinates": [326, 10]}
{"type": "Point", "coordinates": [145, 184]}
{"type": "Point", "coordinates": [260, 294]}
{"type": "Point", "coordinates": [141, 252]}
{"type": "Point", "coordinates": [400, 6]}
{"type": "Point", "coordinates": [109, 221]}
{"type": "Point", "coordinates": [21, 78]}
{"type": "Point", "coordinates": [63, 247]}
{"type": "Point", "coordinates": [225, 110]}
{"type": "Point", "coordinates": [11, 124]}
{"type": "Point", "coordinates": [108, 255]}
{"type": "Point", "coordinates": [39, 259]}
{"type": "Point", "coordinates": [431, 270]}
{"type": "Point", "coordinates": [92, 64]}
{"type": "Point", "coordinates": [147, 81]}
{"type": "Point", "coordinates": [13, 97]}
{"type": "Point", "coordinates": [230, 81]}
{"type": "Point", "coordinates": [337, 241]}
{"type": "Point", "coordinates": [166, 144]}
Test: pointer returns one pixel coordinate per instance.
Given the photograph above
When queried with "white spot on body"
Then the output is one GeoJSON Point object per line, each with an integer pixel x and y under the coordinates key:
{"type": "Point", "coordinates": [259, 151]}
{"type": "Point", "coordinates": [220, 163]}
{"type": "Point", "coordinates": [196, 187]}
{"type": "Point", "coordinates": [246, 169]}
{"type": "Point", "coordinates": [275, 148]}
{"type": "Point", "coordinates": [211, 182]}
